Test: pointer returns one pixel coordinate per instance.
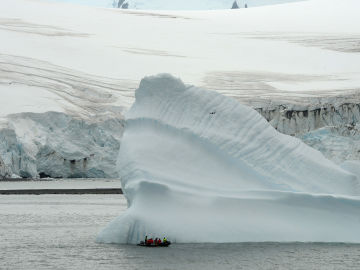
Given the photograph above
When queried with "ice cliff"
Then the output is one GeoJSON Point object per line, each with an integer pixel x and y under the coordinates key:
{"type": "Point", "coordinates": [330, 125]}
{"type": "Point", "coordinates": [294, 120]}
{"type": "Point", "coordinates": [54, 144]}
{"type": "Point", "coordinates": [4, 170]}
{"type": "Point", "coordinates": [200, 167]}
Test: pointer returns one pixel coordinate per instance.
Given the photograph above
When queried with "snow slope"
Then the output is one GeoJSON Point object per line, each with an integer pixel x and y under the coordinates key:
{"type": "Point", "coordinates": [247, 60]}
{"type": "Point", "coordinates": [197, 5]}
{"type": "Point", "coordinates": [86, 62]}
{"type": "Point", "coordinates": [174, 4]}
{"type": "Point", "coordinates": [200, 167]}
{"type": "Point", "coordinates": [95, 3]}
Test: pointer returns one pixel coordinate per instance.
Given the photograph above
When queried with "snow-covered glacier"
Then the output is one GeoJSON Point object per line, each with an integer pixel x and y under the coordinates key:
{"type": "Point", "coordinates": [175, 4]}
{"type": "Point", "coordinates": [195, 5]}
{"type": "Point", "coordinates": [200, 167]}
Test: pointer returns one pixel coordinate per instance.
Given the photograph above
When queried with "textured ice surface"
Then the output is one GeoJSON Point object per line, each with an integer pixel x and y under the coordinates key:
{"type": "Point", "coordinates": [4, 170]}
{"type": "Point", "coordinates": [352, 166]}
{"type": "Point", "coordinates": [57, 145]}
{"type": "Point", "coordinates": [200, 167]}
{"type": "Point", "coordinates": [338, 143]}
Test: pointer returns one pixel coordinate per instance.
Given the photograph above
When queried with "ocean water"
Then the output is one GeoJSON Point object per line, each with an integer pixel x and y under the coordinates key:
{"type": "Point", "coordinates": [58, 232]}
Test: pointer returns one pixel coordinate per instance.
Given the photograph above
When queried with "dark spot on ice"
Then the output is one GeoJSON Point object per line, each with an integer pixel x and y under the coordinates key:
{"type": "Point", "coordinates": [120, 3]}
{"type": "Point", "coordinates": [317, 111]}
{"type": "Point", "coordinates": [212, 113]}
{"type": "Point", "coordinates": [85, 163]}
{"type": "Point", "coordinates": [289, 114]}
{"type": "Point", "coordinates": [44, 175]}
{"type": "Point", "coordinates": [24, 174]}
{"type": "Point", "coordinates": [72, 161]}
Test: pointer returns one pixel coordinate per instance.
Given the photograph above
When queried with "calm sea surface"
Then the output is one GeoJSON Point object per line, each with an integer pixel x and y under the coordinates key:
{"type": "Point", "coordinates": [58, 232]}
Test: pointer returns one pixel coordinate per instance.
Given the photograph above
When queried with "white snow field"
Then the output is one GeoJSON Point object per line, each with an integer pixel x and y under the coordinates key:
{"type": "Point", "coordinates": [175, 4]}
{"type": "Point", "coordinates": [195, 5]}
{"type": "Point", "coordinates": [68, 73]}
{"type": "Point", "coordinates": [264, 52]}
{"type": "Point", "coordinates": [200, 167]}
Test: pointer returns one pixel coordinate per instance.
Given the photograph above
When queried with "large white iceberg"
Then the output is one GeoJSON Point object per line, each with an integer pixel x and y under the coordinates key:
{"type": "Point", "coordinates": [197, 166]}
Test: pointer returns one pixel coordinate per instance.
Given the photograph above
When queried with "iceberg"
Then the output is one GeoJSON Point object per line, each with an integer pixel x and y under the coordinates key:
{"type": "Point", "coordinates": [198, 166]}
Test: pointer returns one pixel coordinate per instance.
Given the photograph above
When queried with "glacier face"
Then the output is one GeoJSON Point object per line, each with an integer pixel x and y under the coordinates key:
{"type": "Point", "coordinates": [15, 160]}
{"type": "Point", "coordinates": [331, 126]}
{"type": "Point", "coordinates": [293, 121]}
{"type": "Point", "coordinates": [338, 143]}
{"type": "Point", "coordinates": [4, 170]}
{"type": "Point", "coordinates": [193, 155]}
{"type": "Point", "coordinates": [55, 144]}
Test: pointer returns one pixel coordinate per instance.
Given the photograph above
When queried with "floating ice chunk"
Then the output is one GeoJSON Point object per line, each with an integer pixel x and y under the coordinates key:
{"type": "Point", "coordinates": [197, 166]}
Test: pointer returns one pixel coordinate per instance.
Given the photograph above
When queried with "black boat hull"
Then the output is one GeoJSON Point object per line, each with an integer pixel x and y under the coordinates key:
{"type": "Point", "coordinates": [153, 245]}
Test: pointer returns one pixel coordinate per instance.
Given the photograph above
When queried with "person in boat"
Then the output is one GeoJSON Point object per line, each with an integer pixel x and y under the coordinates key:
{"type": "Point", "coordinates": [159, 242]}
{"type": "Point", "coordinates": [156, 241]}
{"type": "Point", "coordinates": [164, 240]}
{"type": "Point", "coordinates": [146, 239]}
{"type": "Point", "coordinates": [150, 241]}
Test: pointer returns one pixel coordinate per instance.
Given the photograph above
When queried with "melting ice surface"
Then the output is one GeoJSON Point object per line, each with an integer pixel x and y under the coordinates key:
{"type": "Point", "coordinates": [197, 166]}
